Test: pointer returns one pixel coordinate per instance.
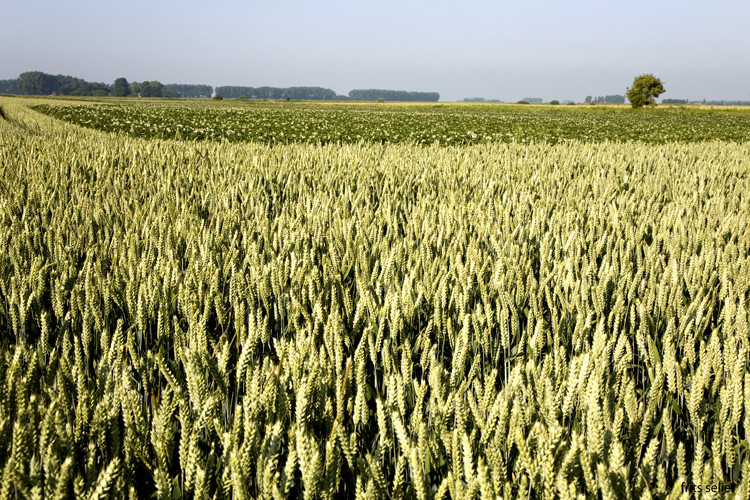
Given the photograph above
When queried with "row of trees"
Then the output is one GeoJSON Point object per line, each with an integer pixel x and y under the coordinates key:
{"type": "Point", "coordinates": [39, 83]}
{"type": "Point", "coordinates": [319, 93]}
{"type": "Point", "coordinates": [393, 95]}
{"type": "Point", "coordinates": [187, 90]}
{"type": "Point", "coordinates": [121, 88]}
{"type": "Point", "coordinates": [480, 99]}
{"type": "Point", "coordinates": [305, 93]}
{"type": "Point", "coordinates": [605, 99]}
{"type": "Point", "coordinates": [9, 87]}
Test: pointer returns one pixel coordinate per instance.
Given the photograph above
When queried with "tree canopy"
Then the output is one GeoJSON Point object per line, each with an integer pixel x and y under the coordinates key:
{"type": "Point", "coordinates": [38, 83]}
{"type": "Point", "coordinates": [645, 89]}
{"type": "Point", "coordinates": [121, 88]}
{"type": "Point", "coordinates": [9, 86]}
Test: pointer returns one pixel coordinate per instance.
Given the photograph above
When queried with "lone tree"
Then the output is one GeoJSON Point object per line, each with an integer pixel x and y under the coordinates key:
{"type": "Point", "coordinates": [645, 88]}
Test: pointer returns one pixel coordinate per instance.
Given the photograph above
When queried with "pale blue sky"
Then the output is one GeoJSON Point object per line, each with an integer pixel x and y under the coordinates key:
{"type": "Point", "coordinates": [506, 49]}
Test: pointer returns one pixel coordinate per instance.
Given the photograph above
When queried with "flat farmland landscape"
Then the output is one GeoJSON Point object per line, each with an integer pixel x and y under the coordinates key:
{"type": "Point", "coordinates": [245, 299]}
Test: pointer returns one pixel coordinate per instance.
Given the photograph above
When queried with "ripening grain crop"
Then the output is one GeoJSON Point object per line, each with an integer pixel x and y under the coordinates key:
{"type": "Point", "coordinates": [240, 320]}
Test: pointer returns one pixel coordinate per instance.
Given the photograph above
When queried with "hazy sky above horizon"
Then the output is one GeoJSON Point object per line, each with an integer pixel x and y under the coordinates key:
{"type": "Point", "coordinates": [503, 50]}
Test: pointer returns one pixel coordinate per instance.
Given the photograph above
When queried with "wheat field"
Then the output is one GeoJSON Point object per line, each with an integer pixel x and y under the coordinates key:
{"type": "Point", "coordinates": [197, 319]}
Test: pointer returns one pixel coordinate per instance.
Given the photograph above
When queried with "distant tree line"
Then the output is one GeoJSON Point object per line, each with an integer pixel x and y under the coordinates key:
{"type": "Point", "coordinates": [147, 89]}
{"type": "Point", "coordinates": [480, 99]}
{"type": "Point", "coordinates": [39, 83]}
{"type": "Point", "coordinates": [725, 103]}
{"type": "Point", "coordinates": [606, 99]}
{"type": "Point", "coordinates": [9, 87]}
{"type": "Point", "coordinates": [304, 93]}
{"type": "Point", "coordinates": [121, 88]}
{"type": "Point", "coordinates": [187, 90]}
{"type": "Point", "coordinates": [323, 94]}
{"type": "Point", "coordinates": [393, 95]}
